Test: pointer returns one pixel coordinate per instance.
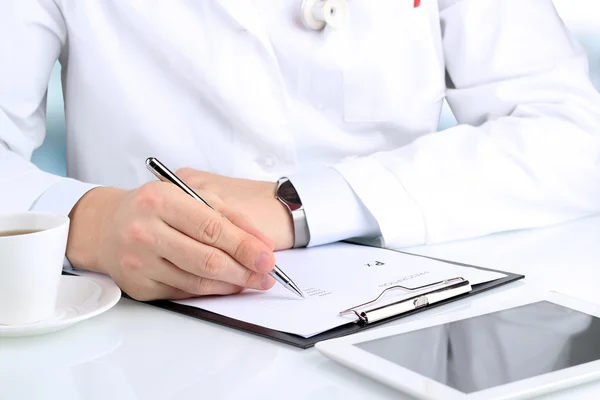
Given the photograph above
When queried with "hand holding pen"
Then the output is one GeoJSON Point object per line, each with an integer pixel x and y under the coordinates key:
{"type": "Point", "coordinates": [165, 175]}
{"type": "Point", "coordinates": [157, 242]}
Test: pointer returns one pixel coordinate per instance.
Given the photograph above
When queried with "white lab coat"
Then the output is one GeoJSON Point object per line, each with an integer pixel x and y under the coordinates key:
{"type": "Point", "coordinates": [241, 88]}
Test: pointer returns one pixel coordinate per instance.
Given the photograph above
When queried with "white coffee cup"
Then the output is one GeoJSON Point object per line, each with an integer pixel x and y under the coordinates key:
{"type": "Point", "coordinates": [30, 265]}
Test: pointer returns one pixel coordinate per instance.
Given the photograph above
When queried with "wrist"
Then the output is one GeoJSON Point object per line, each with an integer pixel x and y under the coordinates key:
{"type": "Point", "coordinates": [89, 218]}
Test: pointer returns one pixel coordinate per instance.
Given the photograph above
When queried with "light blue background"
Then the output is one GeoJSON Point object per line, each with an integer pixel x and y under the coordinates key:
{"type": "Point", "coordinates": [51, 155]}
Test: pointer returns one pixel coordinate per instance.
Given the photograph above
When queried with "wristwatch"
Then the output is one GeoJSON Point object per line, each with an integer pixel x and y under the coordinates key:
{"type": "Point", "coordinates": [286, 193]}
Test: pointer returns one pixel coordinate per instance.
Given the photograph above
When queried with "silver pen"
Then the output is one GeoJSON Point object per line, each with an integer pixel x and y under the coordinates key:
{"type": "Point", "coordinates": [165, 175]}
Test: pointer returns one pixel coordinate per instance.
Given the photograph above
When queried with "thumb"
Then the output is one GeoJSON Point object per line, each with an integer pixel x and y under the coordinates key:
{"type": "Point", "coordinates": [243, 222]}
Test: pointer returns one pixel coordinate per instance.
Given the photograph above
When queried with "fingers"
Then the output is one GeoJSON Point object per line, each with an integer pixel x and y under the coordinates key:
{"type": "Point", "coordinates": [200, 264]}
{"type": "Point", "coordinates": [146, 289]}
{"type": "Point", "coordinates": [203, 179]}
{"type": "Point", "coordinates": [241, 221]}
{"type": "Point", "coordinates": [177, 278]}
{"type": "Point", "coordinates": [209, 227]}
{"type": "Point", "coordinates": [163, 291]}
{"type": "Point", "coordinates": [166, 281]}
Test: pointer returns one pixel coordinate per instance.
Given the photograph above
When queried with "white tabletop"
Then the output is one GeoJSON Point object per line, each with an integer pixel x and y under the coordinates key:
{"type": "Point", "coordinates": [136, 351]}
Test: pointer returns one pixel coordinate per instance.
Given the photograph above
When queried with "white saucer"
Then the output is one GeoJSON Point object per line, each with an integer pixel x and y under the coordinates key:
{"type": "Point", "coordinates": [79, 298]}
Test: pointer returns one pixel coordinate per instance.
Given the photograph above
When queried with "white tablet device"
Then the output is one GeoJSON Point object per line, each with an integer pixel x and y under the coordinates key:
{"type": "Point", "coordinates": [524, 348]}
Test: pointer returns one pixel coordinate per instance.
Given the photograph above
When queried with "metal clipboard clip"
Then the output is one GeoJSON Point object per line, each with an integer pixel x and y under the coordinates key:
{"type": "Point", "coordinates": [440, 291]}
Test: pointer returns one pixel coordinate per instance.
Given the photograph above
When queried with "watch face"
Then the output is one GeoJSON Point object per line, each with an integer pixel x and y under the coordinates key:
{"type": "Point", "coordinates": [288, 193]}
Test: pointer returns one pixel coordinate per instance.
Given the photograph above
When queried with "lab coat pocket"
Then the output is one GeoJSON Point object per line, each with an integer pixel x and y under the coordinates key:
{"type": "Point", "coordinates": [393, 68]}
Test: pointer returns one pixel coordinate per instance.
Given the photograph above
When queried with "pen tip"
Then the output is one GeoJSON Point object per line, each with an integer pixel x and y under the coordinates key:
{"type": "Point", "coordinates": [297, 290]}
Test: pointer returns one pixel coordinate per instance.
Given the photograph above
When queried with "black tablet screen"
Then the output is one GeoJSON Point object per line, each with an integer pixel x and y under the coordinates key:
{"type": "Point", "coordinates": [495, 349]}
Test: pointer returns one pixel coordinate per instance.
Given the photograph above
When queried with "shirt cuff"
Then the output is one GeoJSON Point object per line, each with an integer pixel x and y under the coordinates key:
{"type": "Point", "coordinates": [399, 216]}
{"type": "Point", "coordinates": [333, 211]}
{"type": "Point", "coordinates": [62, 196]}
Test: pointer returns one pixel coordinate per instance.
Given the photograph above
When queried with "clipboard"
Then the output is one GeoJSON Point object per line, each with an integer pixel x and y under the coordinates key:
{"type": "Point", "coordinates": [426, 297]}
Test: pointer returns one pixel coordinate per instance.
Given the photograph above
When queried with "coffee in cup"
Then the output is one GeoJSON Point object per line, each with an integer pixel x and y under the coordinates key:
{"type": "Point", "coordinates": [18, 232]}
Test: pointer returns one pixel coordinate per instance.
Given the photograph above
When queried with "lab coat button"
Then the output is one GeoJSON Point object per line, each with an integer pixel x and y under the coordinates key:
{"type": "Point", "coordinates": [268, 161]}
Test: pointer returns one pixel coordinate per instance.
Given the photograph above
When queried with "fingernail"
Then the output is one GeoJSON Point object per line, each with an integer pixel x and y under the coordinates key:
{"type": "Point", "coordinates": [267, 282]}
{"type": "Point", "coordinates": [264, 263]}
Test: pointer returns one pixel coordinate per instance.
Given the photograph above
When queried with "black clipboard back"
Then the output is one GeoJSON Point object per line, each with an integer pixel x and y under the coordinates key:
{"type": "Point", "coordinates": [344, 330]}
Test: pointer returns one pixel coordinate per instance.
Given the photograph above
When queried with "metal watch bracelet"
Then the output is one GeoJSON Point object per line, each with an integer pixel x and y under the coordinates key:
{"type": "Point", "coordinates": [286, 194]}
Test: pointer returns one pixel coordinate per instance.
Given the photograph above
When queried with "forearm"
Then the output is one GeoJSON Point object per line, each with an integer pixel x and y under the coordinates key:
{"type": "Point", "coordinates": [469, 181]}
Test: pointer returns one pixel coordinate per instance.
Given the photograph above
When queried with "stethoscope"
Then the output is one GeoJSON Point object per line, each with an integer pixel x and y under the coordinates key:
{"type": "Point", "coordinates": [316, 14]}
